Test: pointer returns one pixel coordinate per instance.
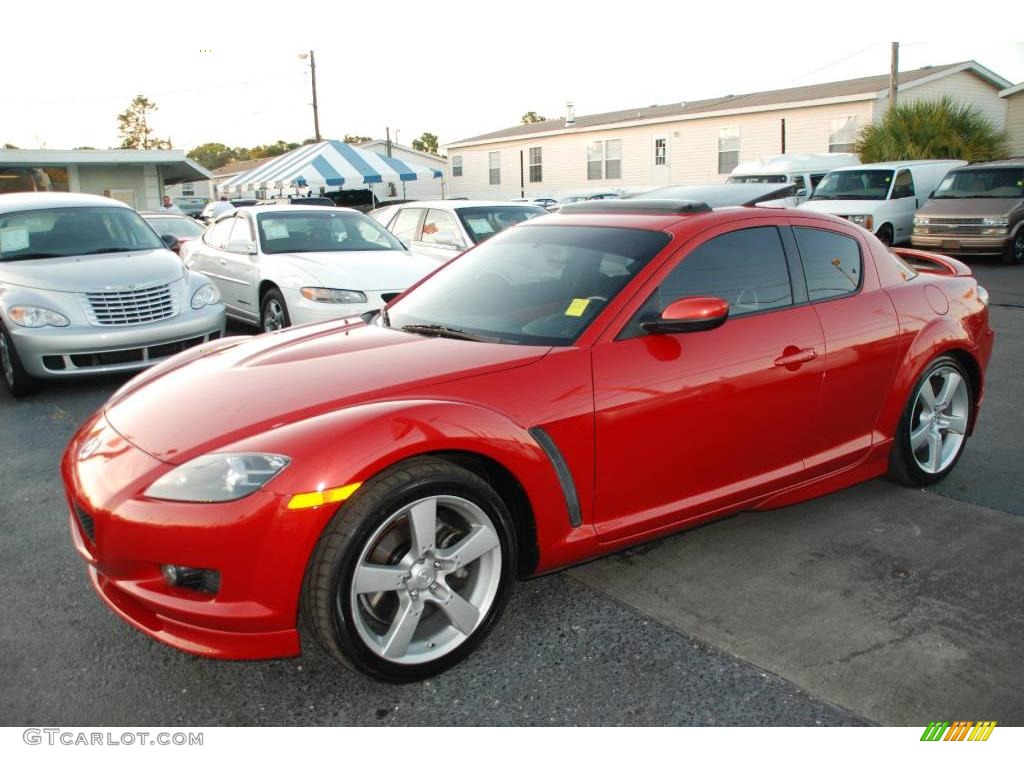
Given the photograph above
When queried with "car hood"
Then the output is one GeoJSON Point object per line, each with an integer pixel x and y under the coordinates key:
{"type": "Point", "coordinates": [971, 206]}
{"type": "Point", "coordinates": [362, 270]}
{"type": "Point", "coordinates": [844, 207]}
{"type": "Point", "coordinates": [98, 272]}
{"type": "Point", "coordinates": [204, 399]}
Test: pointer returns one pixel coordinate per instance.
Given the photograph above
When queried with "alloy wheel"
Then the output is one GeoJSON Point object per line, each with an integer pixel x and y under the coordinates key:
{"type": "Point", "coordinates": [1018, 247]}
{"type": "Point", "coordinates": [426, 579]}
{"type": "Point", "coordinates": [938, 424]}
{"type": "Point", "coordinates": [273, 316]}
{"type": "Point", "coordinates": [6, 361]}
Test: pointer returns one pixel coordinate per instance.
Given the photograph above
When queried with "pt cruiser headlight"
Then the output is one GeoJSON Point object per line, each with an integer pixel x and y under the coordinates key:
{"type": "Point", "coordinates": [333, 295]}
{"type": "Point", "coordinates": [36, 317]}
{"type": "Point", "coordinates": [865, 220]}
{"type": "Point", "coordinates": [208, 294]}
{"type": "Point", "coordinates": [218, 477]}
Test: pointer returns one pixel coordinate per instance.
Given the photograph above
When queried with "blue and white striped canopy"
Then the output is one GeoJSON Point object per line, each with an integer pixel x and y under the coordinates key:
{"type": "Point", "coordinates": [330, 164]}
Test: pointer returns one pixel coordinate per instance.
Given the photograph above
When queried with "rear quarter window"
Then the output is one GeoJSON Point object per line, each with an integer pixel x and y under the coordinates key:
{"type": "Point", "coordinates": [833, 264]}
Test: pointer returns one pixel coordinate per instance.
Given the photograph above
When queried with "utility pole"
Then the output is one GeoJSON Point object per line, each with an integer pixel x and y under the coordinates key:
{"type": "Point", "coordinates": [387, 141]}
{"type": "Point", "coordinates": [894, 75]}
{"type": "Point", "coordinates": [312, 72]}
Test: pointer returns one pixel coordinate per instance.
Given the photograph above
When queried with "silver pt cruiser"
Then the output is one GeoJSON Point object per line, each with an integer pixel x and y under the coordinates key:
{"type": "Point", "coordinates": [87, 287]}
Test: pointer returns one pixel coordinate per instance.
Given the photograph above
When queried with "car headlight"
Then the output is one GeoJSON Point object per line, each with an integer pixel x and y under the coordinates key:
{"type": "Point", "coordinates": [205, 296]}
{"type": "Point", "coordinates": [864, 220]}
{"type": "Point", "coordinates": [217, 477]}
{"type": "Point", "coordinates": [333, 295]}
{"type": "Point", "coordinates": [922, 221]}
{"type": "Point", "coordinates": [36, 317]}
{"type": "Point", "coordinates": [995, 221]}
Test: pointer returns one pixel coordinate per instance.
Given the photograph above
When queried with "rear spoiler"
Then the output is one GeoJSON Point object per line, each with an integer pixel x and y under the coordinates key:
{"type": "Point", "coordinates": [932, 263]}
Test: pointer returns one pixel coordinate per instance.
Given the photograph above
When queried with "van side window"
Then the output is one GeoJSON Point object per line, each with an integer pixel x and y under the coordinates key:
{"type": "Point", "coordinates": [832, 263]}
{"type": "Point", "coordinates": [816, 179]}
{"type": "Point", "coordinates": [798, 182]}
{"type": "Point", "coordinates": [904, 186]}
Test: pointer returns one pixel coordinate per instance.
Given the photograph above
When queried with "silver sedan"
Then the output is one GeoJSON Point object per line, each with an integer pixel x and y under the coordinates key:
{"type": "Point", "coordinates": [87, 287]}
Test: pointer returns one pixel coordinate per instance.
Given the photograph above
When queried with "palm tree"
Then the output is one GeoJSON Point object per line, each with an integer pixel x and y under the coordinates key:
{"type": "Point", "coordinates": [932, 130]}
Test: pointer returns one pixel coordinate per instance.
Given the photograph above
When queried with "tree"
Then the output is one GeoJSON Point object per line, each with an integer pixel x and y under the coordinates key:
{"type": "Point", "coordinates": [931, 130]}
{"type": "Point", "coordinates": [427, 142]}
{"type": "Point", "coordinates": [279, 147]}
{"type": "Point", "coordinates": [133, 125]}
{"type": "Point", "coordinates": [85, 147]}
{"type": "Point", "coordinates": [215, 155]}
{"type": "Point", "coordinates": [11, 146]}
{"type": "Point", "coordinates": [532, 117]}
{"type": "Point", "coordinates": [351, 139]}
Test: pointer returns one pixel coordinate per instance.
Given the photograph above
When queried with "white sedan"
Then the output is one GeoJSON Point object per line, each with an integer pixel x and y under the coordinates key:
{"type": "Point", "coordinates": [283, 265]}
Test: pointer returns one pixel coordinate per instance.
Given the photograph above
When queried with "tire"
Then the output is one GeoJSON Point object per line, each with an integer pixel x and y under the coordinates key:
{"type": "Point", "coordinates": [12, 371]}
{"type": "Point", "coordinates": [932, 431]}
{"type": "Point", "coordinates": [274, 312]}
{"type": "Point", "coordinates": [408, 630]}
{"type": "Point", "coordinates": [1014, 254]}
{"type": "Point", "coordinates": [885, 235]}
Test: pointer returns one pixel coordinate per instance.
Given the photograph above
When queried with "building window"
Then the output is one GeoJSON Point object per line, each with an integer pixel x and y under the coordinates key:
{"type": "Point", "coordinates": [456, 165]}
{"type": "Point", "coordinates": [187, 189]}
{"type": "Point", "coordinates": [842, 134]}
{"type": "Point", "coordinates": [728, 149]}
{"type": "Point", "coordinates": [495, 167]}
{"type": "Point", "coordinates": [659, 151]}
{"type": "Point", "coordinates": [536, 172]}
{"type": "Point", "coordinates": [604, 159]}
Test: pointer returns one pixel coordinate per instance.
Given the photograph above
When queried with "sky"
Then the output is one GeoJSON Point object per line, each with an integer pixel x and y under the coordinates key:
{"type": "Point", "coordinates": [232, 73]}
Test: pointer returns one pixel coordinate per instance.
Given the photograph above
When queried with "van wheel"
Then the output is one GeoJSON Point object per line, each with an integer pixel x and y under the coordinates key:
{"type": "Point", "coordinates": [1015, 251]}
{"type": "Point", "coordinates": [885, 235]}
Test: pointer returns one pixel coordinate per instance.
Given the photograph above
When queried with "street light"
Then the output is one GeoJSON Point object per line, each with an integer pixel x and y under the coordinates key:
{"type": "Point", "coordinates": [312, 70]}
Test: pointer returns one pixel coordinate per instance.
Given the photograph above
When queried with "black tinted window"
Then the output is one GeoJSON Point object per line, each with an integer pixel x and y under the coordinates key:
{"type": "Point", "coordinates": [747, 268]}
{"type": "Point", "coordinates": [832, 262]}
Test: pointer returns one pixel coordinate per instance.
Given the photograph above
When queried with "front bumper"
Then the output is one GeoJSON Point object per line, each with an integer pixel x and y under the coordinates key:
{"type": "Point", "coordinates": [83, 350]}
{"type": "Point", "coordinates": [953, 245]}
{"type": "Point", "coordinates": [258, 546]}
{"type": "Point", "coordinates": [301, 310]}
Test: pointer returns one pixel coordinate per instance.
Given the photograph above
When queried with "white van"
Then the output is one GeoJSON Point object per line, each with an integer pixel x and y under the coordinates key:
{"type": "Point", "coordinates": [802, 171]}
{"type": "Point", "coordinates": [881, 197]}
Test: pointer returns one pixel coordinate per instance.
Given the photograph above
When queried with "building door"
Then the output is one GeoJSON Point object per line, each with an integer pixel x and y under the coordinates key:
{"type": "Point", "coordinates": [660, 172]}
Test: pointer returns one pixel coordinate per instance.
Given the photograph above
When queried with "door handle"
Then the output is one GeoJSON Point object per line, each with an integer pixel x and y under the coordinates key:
{"type": "Point", "coordinates": [223, 262]}
{"type": "Point", "coordinates": [793, 356]}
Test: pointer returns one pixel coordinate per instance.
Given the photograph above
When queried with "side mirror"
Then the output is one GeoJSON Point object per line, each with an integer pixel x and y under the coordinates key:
{"type": "Point", "coordinates": [694, 313]}
{"type": "Point", "coordinates": [243, 249]}
{"type": "Point", "coordinates": [170, 241]}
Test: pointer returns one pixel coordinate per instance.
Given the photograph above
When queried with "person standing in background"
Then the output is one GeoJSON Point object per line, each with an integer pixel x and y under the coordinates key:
{"type": "Point", "coordinates": [170, 207]}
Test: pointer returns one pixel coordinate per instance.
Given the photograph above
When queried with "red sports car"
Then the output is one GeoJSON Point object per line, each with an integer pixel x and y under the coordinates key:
{"type": "Point", "coordinates": [578, 384]}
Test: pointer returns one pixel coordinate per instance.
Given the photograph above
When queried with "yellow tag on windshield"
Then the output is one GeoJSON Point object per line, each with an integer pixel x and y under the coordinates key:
{"type": "Point", "coordinates": [577, 307]}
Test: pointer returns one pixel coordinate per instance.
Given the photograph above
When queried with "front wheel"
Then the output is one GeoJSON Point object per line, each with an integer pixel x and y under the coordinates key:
{"type": "Point", "coordinates": [17, 380]}
{"type": "Point", "coordinates": [1015, 250]}
{"type": "Point", "coordinates": [885, 235]}
{"type": "Point", "coordinates": [412, 572]}
{"type": "Point", "coordinates": [274, 312]}
{"type": "Point", "coordinates": [932, 432]}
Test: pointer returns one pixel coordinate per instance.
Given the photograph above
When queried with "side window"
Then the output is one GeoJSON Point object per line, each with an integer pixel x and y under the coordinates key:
{"type": "Point", "coordinates": [816, 180]}
{"type": "Point", "coordinates": [832, 262]}
{"type": "Point", "coordinates": [798, 182]}
{"type": "Point", "coordinates": [405, 224]}
{"type": "Point", "coordinates": [903, 186]}
{"type": "Point", "coordinates": [439, 227]}
{"type": "Point", "coordinates": [217, 237]}
{"type": "Point", "coordinates": [747, 268]}
{"type": "Point", "coordinates": [241, 234]}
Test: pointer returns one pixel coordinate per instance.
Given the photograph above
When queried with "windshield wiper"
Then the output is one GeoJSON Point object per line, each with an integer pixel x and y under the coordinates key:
{"type": "Point", "coordinates": [21, 256]}
{"type": "Point", "coordinates": [442, 330]}
{"type": "Point", "coordinates": [114, 249]}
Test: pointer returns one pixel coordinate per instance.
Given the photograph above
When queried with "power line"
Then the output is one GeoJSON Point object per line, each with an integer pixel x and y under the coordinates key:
{"type": "Point", "coordinates": [838, 61]}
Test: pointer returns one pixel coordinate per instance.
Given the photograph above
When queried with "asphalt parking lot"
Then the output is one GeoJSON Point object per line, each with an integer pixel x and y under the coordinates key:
{"type": "Point", "coordinates": [878, 604]}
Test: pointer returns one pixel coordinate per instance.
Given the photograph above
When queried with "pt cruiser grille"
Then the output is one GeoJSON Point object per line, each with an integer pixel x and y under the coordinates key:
{"type": "Point", "coordinates": [146, 305]}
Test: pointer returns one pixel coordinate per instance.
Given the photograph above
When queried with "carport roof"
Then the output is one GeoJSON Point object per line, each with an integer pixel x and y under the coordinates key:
{"type": "Point", "coordinates": [176, 166]}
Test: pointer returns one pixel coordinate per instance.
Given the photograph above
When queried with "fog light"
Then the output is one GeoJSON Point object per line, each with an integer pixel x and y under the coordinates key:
{"type": "Point", "coordinates": [198, 579]}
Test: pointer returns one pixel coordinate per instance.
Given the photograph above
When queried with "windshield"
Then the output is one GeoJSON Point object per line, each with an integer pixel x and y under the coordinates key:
{"type": "Point", "coordinates": [78, 231]}
{"type": "Point", "coordinates": [982, 182]}
{"type": "Point", "coordinates": [769, 179]}
{"type": "Point", "coordinates": [854, 185]}
{"type": "Point", "coordinates": [178, 226]}
{"type": "Point", "coordinates": [533, 285]}
{"type": "Point", "coordinates": [323, 231]}
{"type": "Point", "coordinates": [484, 222]}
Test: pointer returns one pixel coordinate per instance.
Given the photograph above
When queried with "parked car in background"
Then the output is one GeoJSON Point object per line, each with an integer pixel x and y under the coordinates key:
{"type": "Point", "coordinates": [722, 195]}
{"type": "Point", "coordinates": [325, 201]}
{"type": "Point", "coordinates": [183, 228]}
{"type": "Point", "coordinates": [207, 214]}
{"type": "Point", "coordinates": [804, 172]}
{"type": "Point", "coordinates": [191, 206]}
{"type": "Point", "coordinates": [86, 287]}
{"type": "Point", "coordinates": [977, 209]}
{"type": "Point", "coordinates": [881, 197]}
{"type": "Point", "coordinates": [282, 265]}
{"type": "Point", "coordinates": [578, 385]}
{"type": "Point", "coordinates": [442, 229]}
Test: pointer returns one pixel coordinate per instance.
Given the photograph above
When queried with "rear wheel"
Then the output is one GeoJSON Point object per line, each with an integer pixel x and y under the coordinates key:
{"type": "Point", "coordinates": [1015, 250]}
{"type": "Point", "coordinates": [17, 380]}
{"type": "Point", "coordinates": [273, 311]}
{"type": "Point", "coordinates": [412, 572]}
{"type": "Point", "coordinates": [932, 432]}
